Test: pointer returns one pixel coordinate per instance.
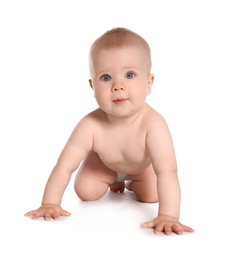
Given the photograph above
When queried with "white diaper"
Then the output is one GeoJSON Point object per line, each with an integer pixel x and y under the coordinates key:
{"type": "Point", "coordinates": [122, 177]}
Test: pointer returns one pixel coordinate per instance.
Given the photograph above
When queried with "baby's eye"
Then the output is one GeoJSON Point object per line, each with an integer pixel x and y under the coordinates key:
{"type": "Point", "coordinates": [130, 75]}
{"type": "Point", "coordinates": [105, 77]}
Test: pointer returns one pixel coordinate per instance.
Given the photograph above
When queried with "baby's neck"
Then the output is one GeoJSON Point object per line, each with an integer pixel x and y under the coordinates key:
{"type": "Point", "coordinates": [126, 120]}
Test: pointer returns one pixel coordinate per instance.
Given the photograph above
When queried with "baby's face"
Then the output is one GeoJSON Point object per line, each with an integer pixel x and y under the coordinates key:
{"type": "Point", "coordinates": [121, 79]}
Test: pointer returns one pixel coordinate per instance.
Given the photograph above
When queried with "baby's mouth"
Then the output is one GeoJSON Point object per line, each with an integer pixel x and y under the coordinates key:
{"type": "Point", "coordinates": [120, 101]}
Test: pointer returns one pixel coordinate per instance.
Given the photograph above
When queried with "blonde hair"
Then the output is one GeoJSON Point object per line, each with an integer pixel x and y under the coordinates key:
{"type": "Point", "coordinates": [120, 37]}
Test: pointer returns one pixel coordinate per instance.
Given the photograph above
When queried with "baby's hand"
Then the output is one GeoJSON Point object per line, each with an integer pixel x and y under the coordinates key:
{"type": "Point", "coordinates": [48, 211]}
{"type": "Point", "coordinates": [167, 224]}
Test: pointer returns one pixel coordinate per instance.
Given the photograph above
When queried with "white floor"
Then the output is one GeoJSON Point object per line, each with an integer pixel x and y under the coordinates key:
{"type": "Point", "coordinates": [108, 228]}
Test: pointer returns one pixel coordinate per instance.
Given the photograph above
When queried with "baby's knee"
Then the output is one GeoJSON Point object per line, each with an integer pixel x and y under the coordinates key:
{"type": "Point", "coordinates": [143, 194]}
{"type": "Point", "coordinates": [89, 192]}
{"type": "Point", "coordinates": [150, 199]}
{"type": "Point", "coordinates": [83, 193]}
{"type": "Point", "coordinates": [147, 197]}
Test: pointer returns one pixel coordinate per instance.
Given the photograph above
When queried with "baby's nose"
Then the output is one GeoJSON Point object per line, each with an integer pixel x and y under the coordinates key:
{"type": "Point", "coordinates": [117, 87]}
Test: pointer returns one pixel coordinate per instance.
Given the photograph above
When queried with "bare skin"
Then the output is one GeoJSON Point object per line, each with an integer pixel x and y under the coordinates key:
{"type": "Point", "coordinates": [124, 135]}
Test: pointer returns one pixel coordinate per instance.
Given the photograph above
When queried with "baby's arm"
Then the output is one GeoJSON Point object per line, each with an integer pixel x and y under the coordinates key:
{"type": "Point", "coordinates": [78, 145]}
{"type": "Point", "coordinates": [163, 157]}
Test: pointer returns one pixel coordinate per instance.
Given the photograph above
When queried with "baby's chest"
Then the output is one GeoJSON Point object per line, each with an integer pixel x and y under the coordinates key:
{"type": "Point", "coordinates": [127, 148]}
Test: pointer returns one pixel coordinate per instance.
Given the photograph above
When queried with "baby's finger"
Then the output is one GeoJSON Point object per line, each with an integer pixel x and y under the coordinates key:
{"type": "Point", "coordinates": [176, 229]}
{"type": "Point", "coordinates": [55, 215]}
{"type": "Point", "coordinates": [162, 227]}
{"type": "Point", "coordinates": [149, 224]}
{"type": "Point", "coordinates": [186, 228]}
{"type": "Point", "coordinates": [30, 213]}
{"type": "Point", "coordinates": [64, 213]}
{"type": "Point", "coordinates": [47, 216]}
{"type": "Point", "coordinates": [33, 214]}
{"type": "Point", "coordinates": [167, 229]}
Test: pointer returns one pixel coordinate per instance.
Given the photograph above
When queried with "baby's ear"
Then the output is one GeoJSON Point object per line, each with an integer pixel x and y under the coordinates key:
{"type": "Point", "coordinates": [150, 82]}
{"type": "Point", "coordinates": [90, 83]}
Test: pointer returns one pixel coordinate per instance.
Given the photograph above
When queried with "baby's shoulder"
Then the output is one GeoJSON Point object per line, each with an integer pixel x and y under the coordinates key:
{"type": "Point", "coordinates": [156, 125]}
{"type": "Point", "coordinates": [93, 119]}
{"type": "Point", "coordinates": [95, 116]}
{"type": "Point", "coordinates": [153, 117]}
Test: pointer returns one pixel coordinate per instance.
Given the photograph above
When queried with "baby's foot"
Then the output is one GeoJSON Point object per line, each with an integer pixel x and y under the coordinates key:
{"type": "Point", "coordinates": [117, 187]}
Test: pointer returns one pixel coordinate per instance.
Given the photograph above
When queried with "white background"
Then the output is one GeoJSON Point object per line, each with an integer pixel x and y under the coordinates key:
{"type": "Point", "coordinates": [44, 92]}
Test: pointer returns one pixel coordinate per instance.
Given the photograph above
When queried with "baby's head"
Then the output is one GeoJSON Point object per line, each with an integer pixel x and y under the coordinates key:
{"type": "Point", "coordinates": [120, 69]}
{"type": "Point", "coordinates": [118, 38]}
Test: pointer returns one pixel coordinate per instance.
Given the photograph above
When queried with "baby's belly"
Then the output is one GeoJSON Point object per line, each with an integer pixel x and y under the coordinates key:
{"type": "Point", "coordinates": [127, 166]}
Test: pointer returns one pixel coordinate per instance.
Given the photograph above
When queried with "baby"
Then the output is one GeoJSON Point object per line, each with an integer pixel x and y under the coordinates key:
{"type": "Point", "coordinates": [124, 143]}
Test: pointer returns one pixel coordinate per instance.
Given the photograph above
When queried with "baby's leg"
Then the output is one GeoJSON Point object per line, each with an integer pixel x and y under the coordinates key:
{"type": "Point", "coordinates": [144, 185]}
{"type": "Point", "coordinates": [93, 178]}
